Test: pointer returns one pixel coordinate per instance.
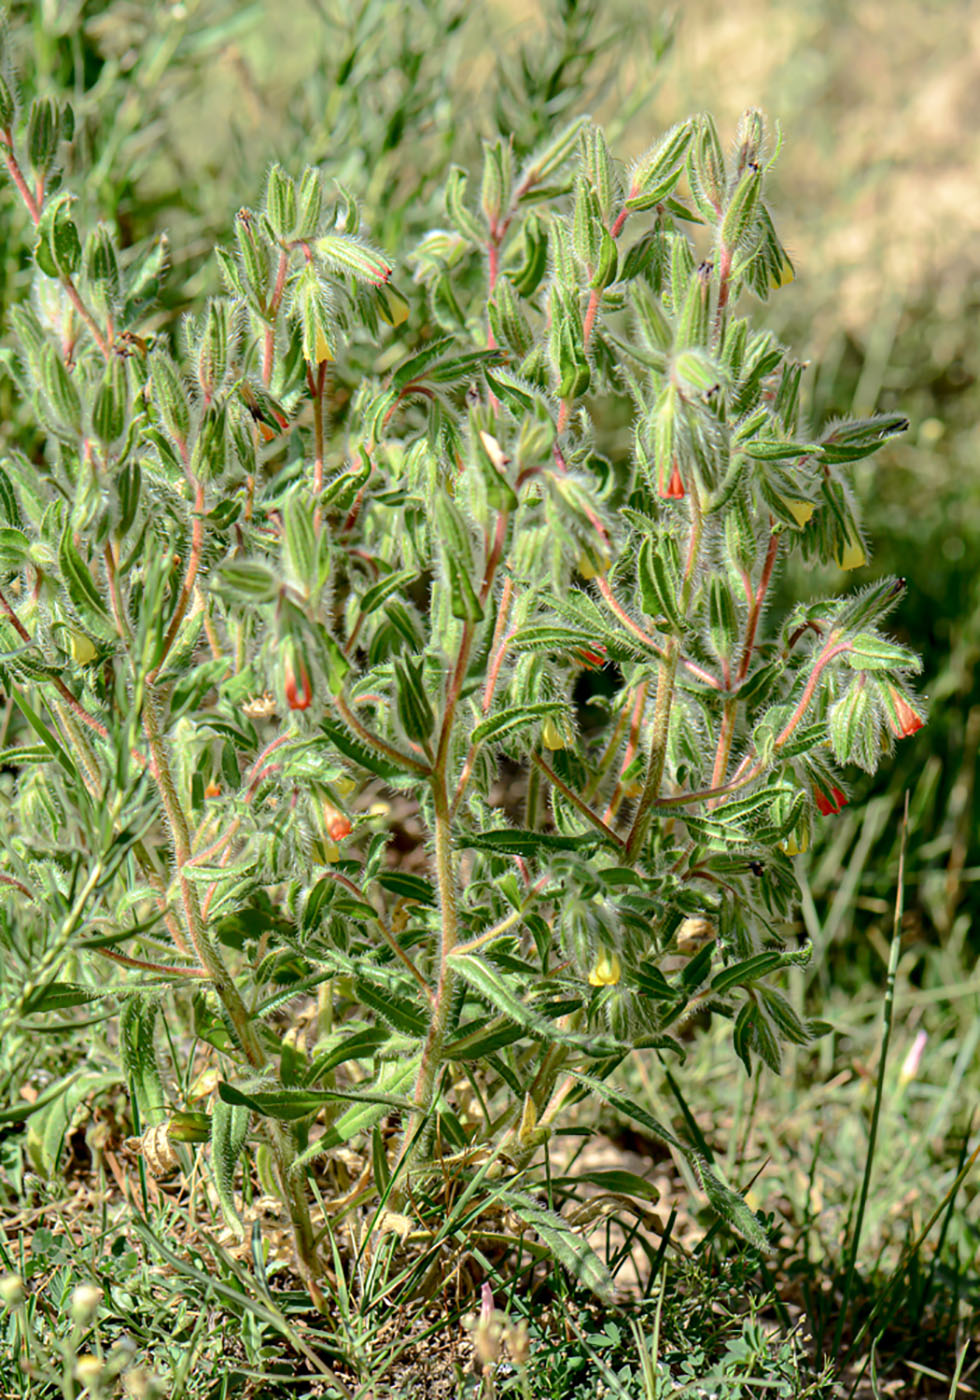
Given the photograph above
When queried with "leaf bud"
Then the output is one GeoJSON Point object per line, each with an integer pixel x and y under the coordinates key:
{"type": "Point", "coordinates": [110, 407]}
{"type": "Point", "coordinates": [101, 265]}
{"type": "Point", "coordinates": [169, 395]}
{"type": "Point", "coordinates": [310, 202]}
{"type": "Point", "coordinates": [8, 107]}
{"type": "Point", "coordinates": [60, 390]}
{"type": "Point", "coordinates": [280, 203]}
{"type": "Point", "coordinates": [43, 130]}
{"type": "Point", "coordinates": [189, 1127]}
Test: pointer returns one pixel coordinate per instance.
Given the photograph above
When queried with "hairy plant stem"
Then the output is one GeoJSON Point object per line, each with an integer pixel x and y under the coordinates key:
{"type": "Point", "coordinates": [219, 976]}
{"type": "Point", "coordinates": [445, 873]}
{"type": "Point", "coordinates": [666, 680]}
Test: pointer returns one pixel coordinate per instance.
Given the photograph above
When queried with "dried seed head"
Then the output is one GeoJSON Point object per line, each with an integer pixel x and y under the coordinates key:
{"type": "Point", "coordinates": [83, 1303]}
{"type": "Point", "coordinates": [157, 1151]}
{"type": "Point", "coordinates": [12, 1291]}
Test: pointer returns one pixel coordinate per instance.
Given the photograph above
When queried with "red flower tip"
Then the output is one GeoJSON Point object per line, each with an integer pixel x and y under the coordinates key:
{"type": "Point", "coordinates": [338, 826]}
{"type": "Point", "coordinates": [829, 806]}
{"type": "Point", "coordinates": [903, 719]}
{"type": "Point", "coordinates": [296, 698]}
{"type": "Point", "coordinates": [675, 486]}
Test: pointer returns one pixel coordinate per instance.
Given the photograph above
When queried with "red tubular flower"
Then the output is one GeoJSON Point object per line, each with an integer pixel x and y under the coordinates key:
{"type": "Point", "coordinates": [675, 486]}
{"type": "Point", "coordinates": [337, 823]}
{"type": "Point", "coordinates": [829, 806]}
{"type": "Point", "coordinates": [902, 718]}
{"type": "Point", "coordinates": [299, 693]}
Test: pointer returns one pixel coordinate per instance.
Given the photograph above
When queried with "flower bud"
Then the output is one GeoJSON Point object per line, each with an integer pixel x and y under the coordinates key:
{"type": "Point", "coordinates": [12, 1291]}
{"type": "Point", "coordinates": [84, 1302]}
{"type": "Point", "coordinates": [296, 682]}
{"type": "Point", "coordinates": [88, 1368]}
{"type": "Point", "coordinates": [552, 735]}
{"type": "Point", "coordinates": [338, 824]}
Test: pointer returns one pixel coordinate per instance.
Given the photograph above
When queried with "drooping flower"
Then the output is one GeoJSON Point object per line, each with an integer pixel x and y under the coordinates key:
{"type": "Point", "coordinates": [607, 970]}
{"type": "Point", "coordinates": [552, 735]}
{"type": "Point", "coordinates": [852, 555]}
{"type": "Point", "coordinates": [903, 720]}
{"type": "Point", "coordinates": [299, 689]}
{"type": "Point", "coordinates": [675, 486]}
{"type": "Point", "coordinates": [829, 806]}
{"type": "Point", "coordinates": [797, 842]}
{"type": "Point", "coordinates": [337, 823]}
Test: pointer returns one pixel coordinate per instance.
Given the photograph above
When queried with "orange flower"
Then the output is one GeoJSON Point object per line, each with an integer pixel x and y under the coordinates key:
{"type": "Point", "coordinates": [831, 805]}
{"type": "Point", "coordinates": [902, 718]}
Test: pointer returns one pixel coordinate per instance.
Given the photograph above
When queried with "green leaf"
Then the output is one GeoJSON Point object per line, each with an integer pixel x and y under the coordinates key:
{"type": "Point", "coordinates": [516, 717]}
{"type": "Point", "coordinates": [289, 1105]}
{"type": "Point", "coordinates": [869, 652]}
{"type": "Point", "coordinates": [346, 254]}
{"type": "Point", "coordinates": [379, 592]}
{"type": "Point", "coordinates": [81, 589]}
{"type": "Point", "coordinates": [567, 1246]}
{"type": "Point", "coordinates": [229, 1130]}
{"type": "Point", "coordinates": [512, 841]}
{"type": "Point", "coordinates": [359, 753]}
{"type": "Point", "coordinates": [44, 733]}
{"type": "Point", "coordinates": [401, 1013]}
{"type": "Point", "coordinates": [497, 991]}
{"type": "Point", "coordinates": [136, 1042]}
{"type": "Point", "coordinates": [407, 886]}
{"type": "Point", "coordinates": [623, 1183]}
{"type": "Point", "coordinates": [361, 1117]}
{"type": "Point", "coordinates": [731, 1207]}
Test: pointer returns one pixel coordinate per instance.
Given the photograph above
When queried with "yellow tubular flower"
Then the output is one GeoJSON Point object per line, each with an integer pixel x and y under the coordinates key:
{"type": "Point", "coordinates": [607, 970]}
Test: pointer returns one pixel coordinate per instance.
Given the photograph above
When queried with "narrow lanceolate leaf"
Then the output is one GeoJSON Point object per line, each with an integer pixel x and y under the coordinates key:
{"type": "Point", "coordinates": [516, 717]}
{"type": "Point", "coordinates": [731, 1207]}
{"type": "Point", "coordinates": [493, 988]}
{"type": "Point", "coordinates": [393, 1079]}
{"type": "Point", "coordinates": [567, 1246]}
{"type": "Point", "coordinates": [869, 652]}
{"type": "Point", "coordinates": [81, 589]}
{"type": "Point", "coordinates": [512, 841]}
{"type": "Point", "coordinates": [137, 1025]}
{"type": "Point", "coordinates": [229, 1129]}
{"type": "Point", "coordinates": [348, 255]}
{"type": "Point", "coordinates": [289, 1105]}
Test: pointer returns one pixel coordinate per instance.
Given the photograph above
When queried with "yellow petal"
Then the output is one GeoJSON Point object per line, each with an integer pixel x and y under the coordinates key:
{"type": "Point", "coordinates": [552, 736]}
{"type": "Point", "coordinates": [83, 649]}
{"type": "Point", "coordinates": [783, 277]}
{"type": "Point", "coordinates": [852, 556]}
{"type": "Point", "coordinates": [607, 970]}
{"type": "Point", "coordinates": [797, 842]}
{"type": "Point", "coordinates": [393, 306]}
{"type": "Point", "coordinates": [594, 567]}
{"type": "Point", "coordinates": [321, 347]}
{"type": "Point", "coordinates": [801, 511]}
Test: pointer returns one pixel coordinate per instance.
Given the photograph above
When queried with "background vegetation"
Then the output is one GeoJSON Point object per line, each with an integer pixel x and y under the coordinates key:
{"type": "Point", "coordinates": [180, 108]}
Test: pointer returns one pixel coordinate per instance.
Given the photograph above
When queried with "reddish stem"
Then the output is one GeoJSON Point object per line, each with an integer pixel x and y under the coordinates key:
{"type": "Point", "coordinates": [17, 175]}
{"type": "Point", "coordinates": [193, 563]}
